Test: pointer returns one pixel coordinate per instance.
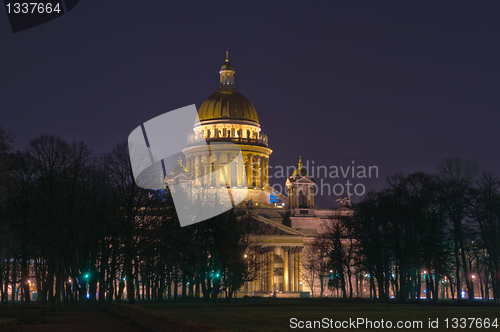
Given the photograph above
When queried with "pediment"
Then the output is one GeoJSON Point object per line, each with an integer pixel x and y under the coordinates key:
{"type": "Point", "coordinates": [304, 181]}
{"type": "Point", "coordinates": [266, 226]}
{"type": "Point", "coordinates": [182, 177]}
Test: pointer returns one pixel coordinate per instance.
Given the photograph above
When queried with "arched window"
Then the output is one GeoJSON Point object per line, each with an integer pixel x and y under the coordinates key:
{"type": "Point", "coordinates": [302, 198]}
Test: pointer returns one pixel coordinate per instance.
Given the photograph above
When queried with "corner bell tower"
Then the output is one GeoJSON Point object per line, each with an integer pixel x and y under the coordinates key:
{"type": "Point", "coordinates": [300, 189]}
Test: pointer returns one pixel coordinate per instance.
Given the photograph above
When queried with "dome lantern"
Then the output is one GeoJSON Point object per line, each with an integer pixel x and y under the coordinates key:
{"type": "Point", "coordinates": [227, 103]}
{"type": "Point", "coordinates": [227, 75]}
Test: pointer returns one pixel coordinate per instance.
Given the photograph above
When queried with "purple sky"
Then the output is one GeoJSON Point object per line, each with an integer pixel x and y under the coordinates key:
{"type": "Point", "coordinates": [397, 84]}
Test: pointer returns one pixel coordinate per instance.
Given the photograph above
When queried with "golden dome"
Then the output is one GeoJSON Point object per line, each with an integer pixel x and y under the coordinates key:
{"type": "Point", "coordinates": [227, 102]}
{"type": "Point", "coordinates": [227, 66]}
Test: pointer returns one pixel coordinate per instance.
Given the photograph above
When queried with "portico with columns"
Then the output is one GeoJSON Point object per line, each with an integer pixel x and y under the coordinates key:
{"type": "Point", "coordinates": [280, 259]}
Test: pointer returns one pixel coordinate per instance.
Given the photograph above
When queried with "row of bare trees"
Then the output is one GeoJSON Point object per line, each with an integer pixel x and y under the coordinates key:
{"type": "Point", "coordinates": [439, 231]}
{"type": "Point", "coordinates": [75, 226]}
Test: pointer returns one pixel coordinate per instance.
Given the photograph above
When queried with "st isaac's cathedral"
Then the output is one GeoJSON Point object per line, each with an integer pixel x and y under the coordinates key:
{"type": "Point", "coordinates": [228, 116]}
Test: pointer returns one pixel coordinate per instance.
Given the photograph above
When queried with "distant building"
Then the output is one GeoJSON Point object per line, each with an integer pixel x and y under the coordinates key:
{"type": "Point", "coordinates": [291, 218]}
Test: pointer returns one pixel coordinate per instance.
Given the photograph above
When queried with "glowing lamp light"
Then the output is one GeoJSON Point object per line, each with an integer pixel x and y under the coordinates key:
{"type": "Point", "coordinates": [473, 276]}
{"type": "Point", "coordinates": [246, 256]}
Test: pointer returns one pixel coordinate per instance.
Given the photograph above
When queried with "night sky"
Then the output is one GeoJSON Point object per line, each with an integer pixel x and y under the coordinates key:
{"type": "Point", "coordinates": [397, 84]}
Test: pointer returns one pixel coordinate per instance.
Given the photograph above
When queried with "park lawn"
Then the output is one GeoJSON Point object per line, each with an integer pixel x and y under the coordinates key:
{"type": "Point", "coordinates": [252, 315]}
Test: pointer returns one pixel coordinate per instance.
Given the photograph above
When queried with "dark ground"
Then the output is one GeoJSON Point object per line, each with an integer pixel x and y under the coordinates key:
{"type": "Point", "coordinates": [75, 319]}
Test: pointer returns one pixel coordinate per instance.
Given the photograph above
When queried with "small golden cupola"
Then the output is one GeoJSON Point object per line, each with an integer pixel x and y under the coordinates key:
{"type": "Point", "coordinates": [300, 171]}
{"type": "Point", "coordinates": [179, 168]}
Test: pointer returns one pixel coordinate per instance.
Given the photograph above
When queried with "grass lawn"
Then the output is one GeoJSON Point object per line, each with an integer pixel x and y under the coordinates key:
{"type": "Point", "coordinates": [271, 315]}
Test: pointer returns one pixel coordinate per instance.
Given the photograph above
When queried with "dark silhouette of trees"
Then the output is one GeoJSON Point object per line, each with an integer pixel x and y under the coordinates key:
{"type": "Point", "coordinates": [80, 228]}
{"type": "Point", "coordinates": [458, 177]}
{"type": "Point", "coordinates": [401, 232]}
{"type": "Point", "coordinates": [485, 211]}
{"type": "Point", "coordinates": [76, 227]}
{"type": "Point", "coordinates": [6, 238]}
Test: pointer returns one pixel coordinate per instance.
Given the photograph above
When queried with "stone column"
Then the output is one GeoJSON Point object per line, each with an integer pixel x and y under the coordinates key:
{"type": "Point", "coordinates": [311, 192]}
{"type": "Point", "coordinates": [249, 170]}
{"type": "Point", "coordinates": [291, 283]}
{"type": "Point", "coordinates": [257, 283]}
{"type": "Point", "coordinates": [266, 172]}
{"type": "Point", "coordinates": [285, 269]}
{"type": "Point", "coordinates": [207, 171]}
{"type": "Point", "coordinates": [217, 170]}
{"type": "Point", "coordinates": [255, 162]}
{"type": "Point", "coordinates": [200, 169]}
{"type": "Point", "coordinates": [262, 165]}
{"type": "Point", "coordinates": [295, 272]}
{"type": "Point", "coordinates": [270, 281]}
{"type": "Point", "coordinates": [193, 167]}
{"type": "Point", "coordinates": [299, 269]}
{"type": "Point", "coordinates": [195, 170]}
{"type": "Point", "coordinates": [239, 172]}
{"type": "Point", "coordinates": [228, 170]}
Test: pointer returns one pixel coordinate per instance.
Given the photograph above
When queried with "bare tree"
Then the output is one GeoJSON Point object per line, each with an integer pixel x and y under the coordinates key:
{"type": "Point", "coordinates": [458, 177]}
{"type": "Point", "coordinates": [316, 265]}
{"type": "Point", "coordinates": [485, 211]}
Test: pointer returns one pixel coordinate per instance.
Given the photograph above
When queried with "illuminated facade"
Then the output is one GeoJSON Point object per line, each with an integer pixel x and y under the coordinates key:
{"type": "Point", "coordinates": [290, 220]}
